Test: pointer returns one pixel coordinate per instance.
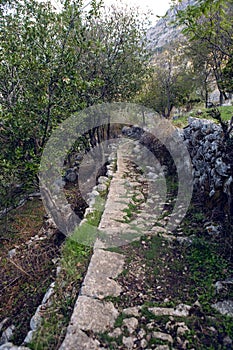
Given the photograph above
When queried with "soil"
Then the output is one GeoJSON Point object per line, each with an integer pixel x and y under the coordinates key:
{"type": "Point", "coordinates": [25, 277]}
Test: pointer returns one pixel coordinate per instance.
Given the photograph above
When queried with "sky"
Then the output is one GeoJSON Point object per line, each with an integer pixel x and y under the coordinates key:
{"type": "Point", "coordinates": [158, 7]}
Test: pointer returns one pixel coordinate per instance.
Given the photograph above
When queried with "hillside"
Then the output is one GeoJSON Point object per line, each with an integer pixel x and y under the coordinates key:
{"type": "Point", "coordinates": [163, 33]}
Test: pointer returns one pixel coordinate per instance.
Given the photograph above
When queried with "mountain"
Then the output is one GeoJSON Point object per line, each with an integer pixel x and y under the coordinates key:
{"type": "Point", "coordinates": [164, 33]}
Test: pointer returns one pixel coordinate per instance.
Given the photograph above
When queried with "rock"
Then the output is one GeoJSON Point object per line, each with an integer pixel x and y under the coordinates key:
{"type": "Point", "coordinates": [212, 193]}
{"type": "Point", "coordinates": [59, 184]}
{"type": "Point", "coordinates": [103, 180]}
{"type": "Point", "coordinates": [110, 173]}
{"type": "Point", "coordinates": [163, 336]}
{"type": "Point", "coordinates": [134, 311]}
{"type": "Point", "coordinates": [79, 157]}
{"type": "Point", "coordinates": [135, 131]}
{"type": "Point", "coordinates": [3, 323]}
{"type": "Point", "coordinates": [213, 230]}
{"type": "Point", "coordinates": [221, 167]}
{"type": "Point", "coordinates": [77, 339]}
{"type": "Point", "coordinates": [48, 294]}
{"type": "Point", "coordinates": [93, 194]}
{"type": "Point", "coordinates": [100, 281]}
{"type": "Point", "coordinates": [128, 342]}
{"type": "Point", "coordinates": [131, 324]}
{"type": "Point", "coordinates": [92, 315]}
{"type": "Point", "coordinates": [224, 307]}
{"type": "Point", "coordinates": [101, 188]}
{"type": "Point", "coordinates": [126, 130]}
{"type": "Point", "coordinates": [11, 253]}
{"type": "Point", "coordinates": [182, 328]}
{"type": "Point", "coordinates": [141, 334]}
{"type": "Point", "coordinates": [227, 341]}
{"type": "Point", "coordinates": [36, 320]}
{"type": "Point", "coordinates": [162, 347]}
{"type": "Point", "coordinates": [143, 343]}
{"type": "Point", "coordinates": [227, 184]}
{"type": "Point", "coordinates": [7, 334]}
{"type": "Point", "coordinates": [50, 224]}
{"type": "Point", "coordinates": [116, 333]}
{"type": "Point", "coordinates": [28, 338]}
{"type": "Point", "coordinates": [194, 123]}
{"type": "Point", "coordinates": [71, 175]}
{"type": "Point", "coordinates": [152, 176]}
{"type": "Point", "coordinates": [181, 310]}
{"type": "Point", "coordinates": [10, 346]}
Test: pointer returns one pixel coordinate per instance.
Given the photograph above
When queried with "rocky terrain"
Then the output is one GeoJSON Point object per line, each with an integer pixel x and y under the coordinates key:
{"type": "Point", "coordinates": [147, 287]}
{"type": "Point", "coordinates": [165, 33]}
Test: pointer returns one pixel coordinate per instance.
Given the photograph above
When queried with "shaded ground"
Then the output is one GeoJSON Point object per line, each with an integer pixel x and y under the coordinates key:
{"type": "Point", "coordinates": [27, 272]}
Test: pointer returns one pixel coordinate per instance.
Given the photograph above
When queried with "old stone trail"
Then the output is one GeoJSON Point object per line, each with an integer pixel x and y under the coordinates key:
{"type": "Point", "coordinates": [94, 313]}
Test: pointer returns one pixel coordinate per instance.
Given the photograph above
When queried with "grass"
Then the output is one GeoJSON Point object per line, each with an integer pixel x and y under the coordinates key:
{"type": "Point", "coordinates": [22, 222]}
{"type": "Point", "coordinates": [226, 114]}
{"type": "Point", "coordinates": [206, 266]}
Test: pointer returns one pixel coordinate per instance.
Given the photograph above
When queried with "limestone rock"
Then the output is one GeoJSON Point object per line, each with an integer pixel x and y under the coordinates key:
{"type": "Point", "coordinates": [131, 324]}
{"type": "Point", "coordinates": [224, 307]}
{"type": "Point", "coordinates": [103, 180]}
{"type": "Point", "coordinates": [10, 346]}
{"type": "Point", "coordinates": [163, 336]}
{"type": "Point", "coordinates": [181, 310]}
{"type": "Point", "coordinates": [101, 188]}
{"type": "Point", "coordinates": [103, 268]}
{"type": "Point", "coordinates": [78, 340]}
{"type": "Point", "coordinates": [128, 342]}
{"type": "Point", "coordinates": [93, 315]}
{"type": "Point", "coordinates": [7, 334]}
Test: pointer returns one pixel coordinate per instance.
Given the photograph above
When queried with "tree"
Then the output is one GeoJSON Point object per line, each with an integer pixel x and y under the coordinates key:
{"type": "Point", "coordinates": [171, 83]}
{"type": "Point", "coordinates": [209, 24]}
{"type": "Point", "coordinates": [56, 63]}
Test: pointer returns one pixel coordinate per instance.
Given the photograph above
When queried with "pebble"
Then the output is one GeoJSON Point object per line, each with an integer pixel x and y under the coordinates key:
{"type": "Point", "coordinates": [128, 342]}
{"type": "Point", "coordinates": [131, 324]}
{"type": "Point", "coordinates": [11, 253]}
{"type": "Point", "coordinates": [163, 336]}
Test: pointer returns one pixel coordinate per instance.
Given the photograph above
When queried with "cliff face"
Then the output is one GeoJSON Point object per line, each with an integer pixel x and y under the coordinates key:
{"type": "Point", "coordinates": [164, 32]}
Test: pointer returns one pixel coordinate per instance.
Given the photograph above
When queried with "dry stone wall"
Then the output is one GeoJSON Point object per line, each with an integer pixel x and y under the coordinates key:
{"type": "Point", "coordinates": [211, 159]}
{"type": "Point", "coordinates": [212, 168]}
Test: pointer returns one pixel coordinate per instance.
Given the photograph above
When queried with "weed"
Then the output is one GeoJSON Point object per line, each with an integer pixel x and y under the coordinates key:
{"type": "Point", "coordinates": [120, 319]}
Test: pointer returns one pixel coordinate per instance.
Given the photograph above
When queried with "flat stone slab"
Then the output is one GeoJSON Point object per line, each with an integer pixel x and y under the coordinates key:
{"type": "Point", "coordinates": [93, 315]}
{"type": "Point", "coordinates": [78, 340]}
{"type": "Point", "coordinates": [99, 281]}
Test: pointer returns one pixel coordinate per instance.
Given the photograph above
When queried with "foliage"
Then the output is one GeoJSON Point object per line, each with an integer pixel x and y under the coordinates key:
{"type": "Point", "coordinates": [208, 25]}
{"type": "Point", "coordinates": [54, 63]}
{"type": "Point", "coordinates": [171, 84]}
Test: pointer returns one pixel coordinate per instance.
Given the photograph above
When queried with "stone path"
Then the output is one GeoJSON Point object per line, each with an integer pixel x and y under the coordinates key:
{"type": "Point", "coordinates": [116, 313]}
{"type": "Point", "coordinates": [94, 313]}
{"type": "Point", "coordinates": [91, 312]}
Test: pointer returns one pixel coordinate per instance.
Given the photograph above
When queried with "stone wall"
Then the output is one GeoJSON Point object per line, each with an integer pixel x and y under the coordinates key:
{"type": "Point", "coordinates": [212, 168]}
{"type": "Point", "coordinates": [212, 161]}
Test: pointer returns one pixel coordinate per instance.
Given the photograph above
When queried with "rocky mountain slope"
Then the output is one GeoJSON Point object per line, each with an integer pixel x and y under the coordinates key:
{"type": "Point", "coordinates": [164, 32]}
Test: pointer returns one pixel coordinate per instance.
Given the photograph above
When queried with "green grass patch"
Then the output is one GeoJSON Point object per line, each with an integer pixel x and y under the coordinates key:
{"type": "Point", "coordinates": [226, 114]}
{"type": "Point", "coordinates": [206, 266]}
